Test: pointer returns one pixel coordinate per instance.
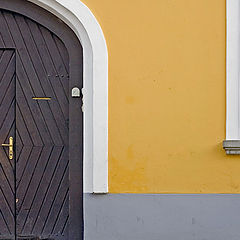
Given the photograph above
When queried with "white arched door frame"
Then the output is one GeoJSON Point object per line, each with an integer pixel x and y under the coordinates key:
{"type": "Point", "coordinates": [95, 80]}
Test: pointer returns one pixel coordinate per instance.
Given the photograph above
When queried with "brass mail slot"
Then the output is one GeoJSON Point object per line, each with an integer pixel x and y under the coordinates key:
{"type": "Point", "coordinates": [42, 98]}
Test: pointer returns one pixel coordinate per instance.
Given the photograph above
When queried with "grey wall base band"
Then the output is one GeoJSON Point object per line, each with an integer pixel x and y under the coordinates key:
{"type": "Point", "coordinates": [162, 217]}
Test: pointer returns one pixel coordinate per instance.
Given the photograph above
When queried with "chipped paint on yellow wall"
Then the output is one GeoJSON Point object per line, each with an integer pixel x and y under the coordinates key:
{"type": "Point", "coordinates": [167, 96]}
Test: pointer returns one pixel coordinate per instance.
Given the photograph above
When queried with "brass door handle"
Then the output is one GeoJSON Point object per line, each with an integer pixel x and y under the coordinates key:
{"type": "Point", "coordinates": [10, 145]}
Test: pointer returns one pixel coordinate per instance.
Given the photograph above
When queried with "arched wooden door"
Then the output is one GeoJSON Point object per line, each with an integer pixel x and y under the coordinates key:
{"type": "Point", "coordinates": [41, 174]}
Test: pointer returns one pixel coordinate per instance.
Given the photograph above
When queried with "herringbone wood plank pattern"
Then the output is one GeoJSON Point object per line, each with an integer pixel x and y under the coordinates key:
{"type": "Point", "coordinates": [41, 127]}
{"type": "Point", "coordinates": [7, 127]}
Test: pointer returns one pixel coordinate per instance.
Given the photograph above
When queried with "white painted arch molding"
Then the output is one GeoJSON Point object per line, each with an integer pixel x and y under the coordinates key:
{"type": "Point", "coordinates": [95, 80]}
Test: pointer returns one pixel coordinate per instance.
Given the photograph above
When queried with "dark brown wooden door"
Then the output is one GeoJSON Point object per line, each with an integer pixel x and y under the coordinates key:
{"type": "Point", "coordinates": [41, 187]}
{"type": "Point", "coordinates": [7, 129]}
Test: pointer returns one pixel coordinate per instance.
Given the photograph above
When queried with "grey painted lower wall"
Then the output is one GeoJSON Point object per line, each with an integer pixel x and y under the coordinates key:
{"type": "Point", "coordinates": [162, 217]}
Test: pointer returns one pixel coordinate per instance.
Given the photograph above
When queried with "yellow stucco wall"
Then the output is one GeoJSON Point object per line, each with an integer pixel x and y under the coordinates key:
{"type": "Point", "coordinates": [167, 96]}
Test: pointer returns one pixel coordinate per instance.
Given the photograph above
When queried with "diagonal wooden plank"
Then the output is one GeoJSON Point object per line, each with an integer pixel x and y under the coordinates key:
{"type": "Point", "coordinates": [49, 196]}
{"type": "Point", "coordinates": [34, 185]}
{"type": "Point", "coordinates": [5, 62]}
{"type": "Point", "coordinates": [7, 78]}
{"type": "Point", "coordinates": [8, 217]}
{"type": "Point", "coordinates": [22, 162]}
{"type": "Point", "coordinates": [62, 217]}
{"type": "Point", "coordinates": [8, 122]}
{"type": "Point", "coordinates": [7, 204]}
{"type": "Point", "coordinates": [5, 33]}
{"type": "Point", "coordinates": [62, 51]}
{"type": "Point", "coordinates": [51, 84]}
{"type": "Point", "coordinates": [19, 142]}
{"type": "Point", "coordinates": [53, 76]}
{"type": "Point", "coordinates": [5, 185]}
{"type": "Point", "coordinates": [65, 231]}
{"type": "Point", "coordinates": [4, 130]}
{"type": "Point", "coordinates": [22, 129]}
{"type": "Point", "coordinates": [7, 101]}
{"type": "Point", "coordinates": [42, 82]}
{"type": "Point", "coordinates": [28, 63]}
{"type": "Point", "coordinates": [1, 53]}
{"type": "Point", "coordinates": [56, 57]}
{"type": "Point", "coordinates": [6, 200]}
{"type": "Point", "coordinates": [27, 176]}
{"type": "Point", "coordinates": [42, 189]}
{"type": "Point", "coordinates": [19, 149]}
{"type": "Point", "coordinates": [4, 229]}
{"type": "Point", "coordinates": [31, 110]}
{"type": "Point", "coordinates": [2, 45]}
{"type": "Point", "coordinates": [57, 204]}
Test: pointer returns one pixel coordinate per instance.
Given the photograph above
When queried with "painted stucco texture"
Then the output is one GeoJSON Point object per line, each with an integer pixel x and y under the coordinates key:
{"type": "Point", "coordinates": [167, 96]}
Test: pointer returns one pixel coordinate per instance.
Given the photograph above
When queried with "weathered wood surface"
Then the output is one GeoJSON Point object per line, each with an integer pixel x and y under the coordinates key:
{"type": "Point", "coordinates": [40, 183]}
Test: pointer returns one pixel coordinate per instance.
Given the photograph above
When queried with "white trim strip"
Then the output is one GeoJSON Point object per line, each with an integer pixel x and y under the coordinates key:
{"type": "Point", "coordinates": [232, 71]}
